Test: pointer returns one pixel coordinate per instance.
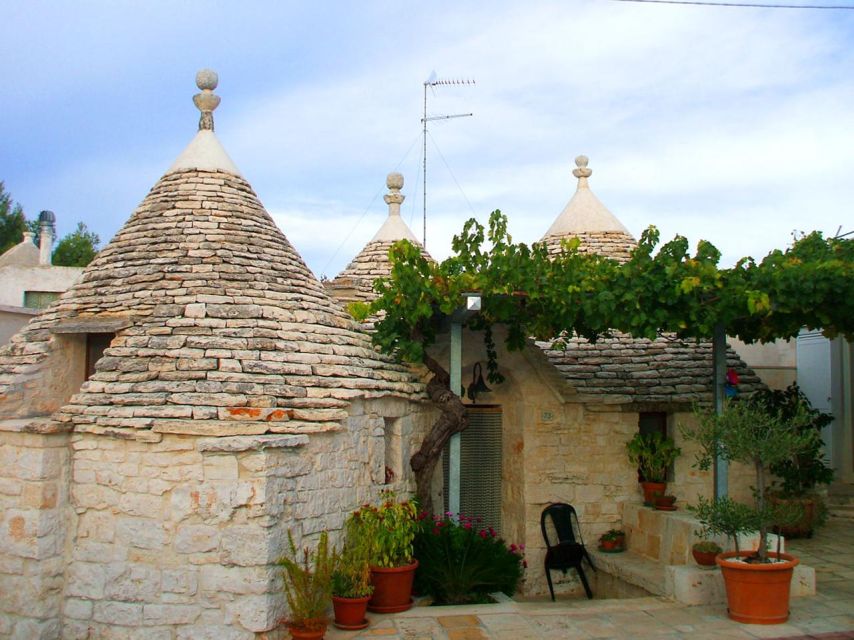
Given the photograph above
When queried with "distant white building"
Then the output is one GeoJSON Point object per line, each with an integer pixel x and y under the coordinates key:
{"type": "Point", "coordinates": [28, 280]}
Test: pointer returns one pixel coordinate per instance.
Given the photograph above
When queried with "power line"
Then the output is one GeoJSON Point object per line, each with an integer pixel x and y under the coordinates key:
{"type": "Point", "coordinates": [744, 4]}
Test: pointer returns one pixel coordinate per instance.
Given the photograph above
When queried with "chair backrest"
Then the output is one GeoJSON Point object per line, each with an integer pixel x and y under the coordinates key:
{"type": "Point", "coordinates": [561, 516]}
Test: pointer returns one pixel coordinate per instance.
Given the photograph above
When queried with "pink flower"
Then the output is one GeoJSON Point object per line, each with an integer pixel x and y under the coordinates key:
{"type": "Point", "coordinates": [513, 548]}
{"type": "Point", "coordinates": [467, 525]}
{"type": "Point", "coordinates": [492, 532]}
{"type": "Point", "coordinates": [483, 534]}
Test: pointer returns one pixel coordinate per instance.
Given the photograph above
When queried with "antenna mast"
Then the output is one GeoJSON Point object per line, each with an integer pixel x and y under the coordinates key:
{"type": "Point", "coordinates": [431, 82]}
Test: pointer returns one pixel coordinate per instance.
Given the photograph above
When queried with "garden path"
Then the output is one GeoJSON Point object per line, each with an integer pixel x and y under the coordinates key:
{"type": "Point", "coordinates": [829, 615]}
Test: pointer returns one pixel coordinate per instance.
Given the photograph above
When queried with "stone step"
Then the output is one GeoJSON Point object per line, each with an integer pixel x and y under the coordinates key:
{"type": "Point", "coordinates": [841, 511]}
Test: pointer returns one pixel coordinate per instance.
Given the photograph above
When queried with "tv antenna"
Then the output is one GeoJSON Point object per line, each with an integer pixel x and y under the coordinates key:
{"type": "Point", "coordinates": [432, 82]}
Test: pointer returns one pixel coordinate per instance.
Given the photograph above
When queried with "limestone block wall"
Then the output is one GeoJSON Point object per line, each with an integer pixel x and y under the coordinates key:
{"type": "Point", "coordinates": [578, 457]}
{"type": "Point", "coordinates": [176, 537]}
{"type": "Point", "coordinates": [34, 471]}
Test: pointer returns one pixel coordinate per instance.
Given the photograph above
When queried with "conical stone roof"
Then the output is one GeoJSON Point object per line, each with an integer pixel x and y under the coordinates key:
{"type": "Point", "coordinates": [355, 282]}
{"type": "Point", "coordinates": [222, 328]}
{"type": "Point", "coordinates": [586, 218]}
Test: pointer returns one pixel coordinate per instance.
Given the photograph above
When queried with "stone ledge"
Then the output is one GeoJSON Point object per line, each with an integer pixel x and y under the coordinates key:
{"type": "Point", "coordinates": [40, 425]}
{"type": "Point", "coordinates": [250, 443]}
{"type": "Point", "coordinates": [93, 324]}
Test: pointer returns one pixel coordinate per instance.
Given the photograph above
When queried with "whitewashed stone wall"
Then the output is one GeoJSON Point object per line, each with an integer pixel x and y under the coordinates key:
{"type": "Point", "coordinates": [34, 472]}
{"type": "Point", "coordinates": [118, 538]}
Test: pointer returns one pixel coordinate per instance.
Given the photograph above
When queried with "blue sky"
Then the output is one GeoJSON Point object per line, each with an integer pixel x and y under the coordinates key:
{"type": "Point", "coordinates": [731, 125]}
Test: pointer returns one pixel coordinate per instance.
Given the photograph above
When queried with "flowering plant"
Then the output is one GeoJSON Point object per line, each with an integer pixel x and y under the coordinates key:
{"type": "Point", "coordinates": [387, 529]}
{"type": "Point", "coordinates": [460, 561]}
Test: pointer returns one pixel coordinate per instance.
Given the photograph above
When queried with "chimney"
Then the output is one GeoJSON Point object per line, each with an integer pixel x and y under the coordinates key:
{"type": "Point", "coordinates": [46, 234]}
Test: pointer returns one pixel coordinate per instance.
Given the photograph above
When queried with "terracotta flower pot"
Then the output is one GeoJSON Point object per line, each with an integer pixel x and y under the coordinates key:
{"type": "Point", "coordinates": [650, 490]}
{"type": "Point", "coordinates": [757, 593]}
{"type": "Point", "coordinates": [704, 558]}
{"type": "Point", "coordinates": [665, 503]}
{"type": "Point", "coordinates": [350, 612]}
{"type": "Point", "coordinates": [392, 588]}
{"type": "Point", "coordinates": [299, 633]}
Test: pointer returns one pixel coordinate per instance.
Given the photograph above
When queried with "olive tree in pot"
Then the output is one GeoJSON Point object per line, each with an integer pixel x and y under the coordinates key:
{"type": "Point", "coordinates": [653, 453]}
{"type": "Point", "coordinates": [800, 474]}
{"type": "Point", "coordinates": [757, 581]}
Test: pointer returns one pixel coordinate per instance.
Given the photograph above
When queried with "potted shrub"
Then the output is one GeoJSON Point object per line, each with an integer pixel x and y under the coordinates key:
{"type": "Point", "coordinates": [461, 562]}
{"type": "Point", "coordinates": [665, 502]}
{"type": "Point", "coordinates": [705, 551]}
{"type": "Point", "coordinates": [308, 587]}
{"type": "Point", "coordinates": [800, 473]}
{"type": "Point", "coordinates": [653, 453]}
{"type": "Point", "coordinates": [613, 541]}
{"type": "Point", "coordinates": [351, 581]}
{"type": "Point", "coordinates": [389, 530]}
{"type": "Point", "coordinates": [757, 581]}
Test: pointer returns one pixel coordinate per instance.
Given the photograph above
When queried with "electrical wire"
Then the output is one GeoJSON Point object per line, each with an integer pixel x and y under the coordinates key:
{"type": "Point", "coordinates": [465, 197]}
{"type": "Point", "coordinates": [368, 208]}
{"type": "Point", "coordinates": [759, 5]}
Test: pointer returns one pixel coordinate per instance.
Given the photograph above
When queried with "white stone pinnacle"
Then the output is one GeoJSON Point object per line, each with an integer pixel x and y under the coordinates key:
{"type": "Point", "coordinates": [394, 228]}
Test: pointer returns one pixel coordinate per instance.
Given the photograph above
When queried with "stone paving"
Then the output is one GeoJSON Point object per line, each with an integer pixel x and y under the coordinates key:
{"type": "Point", "coordinates": [829, 615]}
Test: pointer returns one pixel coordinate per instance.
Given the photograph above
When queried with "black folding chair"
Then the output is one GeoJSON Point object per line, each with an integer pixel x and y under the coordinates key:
{"type": "Point", "coordinates": [567, 552]}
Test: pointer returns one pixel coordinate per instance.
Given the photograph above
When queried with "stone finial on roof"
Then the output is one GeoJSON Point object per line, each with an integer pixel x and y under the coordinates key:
{"type": "Point", "coordinates": [394, 198]}
{"type": "Point", "coordinates": [582, 172]}
{"type": "Point", "coordinates": [206, 101]}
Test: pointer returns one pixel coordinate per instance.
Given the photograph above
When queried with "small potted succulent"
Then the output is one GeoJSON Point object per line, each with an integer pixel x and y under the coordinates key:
{"type": "Point", "coordinates": [613, 541]}
{"type": "Point", "coordinates": [351, 581]}
{"type": "Point", "coordinates": [653, 453]}
{"type": "Point", "coordinates": [389, 530]}
{"type": "Point", "coordinates": [308, 587]}
{"type": "Point", "coordinates": [705, 551]}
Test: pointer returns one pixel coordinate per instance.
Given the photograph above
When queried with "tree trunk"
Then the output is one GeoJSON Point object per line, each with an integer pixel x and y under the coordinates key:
{"type": "Point", "coordinates": [452, 419]}
{"type": "Point", "coordinates": [760, 501]}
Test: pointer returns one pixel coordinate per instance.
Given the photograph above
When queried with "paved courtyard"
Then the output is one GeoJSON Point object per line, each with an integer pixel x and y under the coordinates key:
{"type": "Point", "coordinates": [829, 615]}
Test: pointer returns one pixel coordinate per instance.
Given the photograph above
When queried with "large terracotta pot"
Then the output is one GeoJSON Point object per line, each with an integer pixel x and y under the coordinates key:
{"type": "Point", "coordinates": [350, 612]}
{"type": "Point", "coordinates": [803, 527]}
{"type": "Point", "coordinates": [652, 489]}
{"type": "Point", "coordinates": [757, 593]}
{"type": "Point", "coordinates": [298, 633]}
{"type": "Point", "coordinates": [392, 588]}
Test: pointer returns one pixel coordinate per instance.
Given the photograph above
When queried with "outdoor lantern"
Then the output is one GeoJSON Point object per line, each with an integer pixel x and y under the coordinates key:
{"type": "Point", "coordinates": [477, 384]}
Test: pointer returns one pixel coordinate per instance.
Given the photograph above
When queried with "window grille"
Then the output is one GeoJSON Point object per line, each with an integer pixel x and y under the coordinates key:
{"type": "Point", "coordinates": [480, 466]}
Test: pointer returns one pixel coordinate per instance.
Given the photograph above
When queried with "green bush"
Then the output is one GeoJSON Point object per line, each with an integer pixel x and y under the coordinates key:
{"type": "Point", "coordinates": [460, 562]}
{"type": "Point", "coordinates": [387, 529]}
{"type": "Point", "coordinates": [308, 582]}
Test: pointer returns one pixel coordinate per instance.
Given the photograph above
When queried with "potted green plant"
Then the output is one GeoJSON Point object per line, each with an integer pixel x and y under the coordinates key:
{"type": "Point", "coordinates": [799, 474]}
{"type": "Point", "coordinates": [308, 587]}
{"type": "Point", "coordinates": [757, 581]}
{"type": "Point", "coordinates": [613, 541]}
{"type": "Point", "coordinates": [653, 453]}
{"type": "Point", "coordinates": [351, 580]}
{"type": "Point", "coordinates": [705, 551]}
{"type": "Point", "coordinates": [390, 531]}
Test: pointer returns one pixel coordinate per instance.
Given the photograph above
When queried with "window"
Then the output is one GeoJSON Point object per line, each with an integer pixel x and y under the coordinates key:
{"type": "Point", "coordinates": [96, 343]}
{"type": "Point", "coordinates": [480, 466]}
{"type": "Point", "coordinates": [39, 299]}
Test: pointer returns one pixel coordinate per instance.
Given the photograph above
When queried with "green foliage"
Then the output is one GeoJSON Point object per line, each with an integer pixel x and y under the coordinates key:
{"type": "Point", "coordinates": [747, 431]}
{"type": "Point", "coordinates": [613, 535]}
{"type": "Point", "coordinates": [389, 530]}
{"type": "Point", "coordinates": [660, 289]}
{"type": "Point", "coordinates": [77, 249]}
{"type": "Point", "coordinates": [800, 472]}
{"type": "Point", "coordinates": [308, 582]}
{"type": "Point", "coordinates": [461, 563]}
{"type": "Point", "coordinates": [352, 576]}
{"type": "Point", "coordinates": [653, 453]}
{"type": "Point", "coordinates": [12, 221]}
{"type": "Point", "coordinates": [707, 546]}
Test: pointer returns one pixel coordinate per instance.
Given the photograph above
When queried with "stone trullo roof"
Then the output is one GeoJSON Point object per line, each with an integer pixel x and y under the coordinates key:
{"type": "Point", "coordinates": [222, 328]}
{"type": "Point", "coordinates": [621, 369]}
{"type": "Point", "coordinates": [23, 254]}
{"type": "Point", "coordinates": [586, 218]}
{"type": "Point", "coordinates": [355, 282]}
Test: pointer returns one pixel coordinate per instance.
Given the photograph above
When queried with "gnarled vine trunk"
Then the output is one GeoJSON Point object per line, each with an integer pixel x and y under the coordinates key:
{"type": "Point", "coordinates": [452, 419]}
